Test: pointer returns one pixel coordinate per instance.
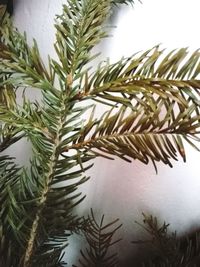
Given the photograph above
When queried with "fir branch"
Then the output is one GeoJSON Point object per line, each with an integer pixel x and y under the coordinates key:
{"type": "Point", "coordinates": [79, 29]}
{"type": "Point", "coordinates": [13, 216]}
{"type": "Point", "coordinates": [8, 136]}
{"type": "Point", "coordinates": [158, 107]}
{"type": "Point", "coordinates": [7, 96]}
{"type": "Point", "coordinates": [143, 133]}
{"type": "Point", "coordinates": [49, 129]}
{"type": "Point", "coordinates": [5, 5]}
{"type": "Point", "coordinates": [165, 243]}
{"type": "Point", "coordinates": [173, 76]}
{"type": "Point", "coordinates": [2, 13]}
{"type": "Point", "coordinates": [27, 119]}
{"type": "Point", "coordinates": [43, 198]}
{"type": "Point", "coordinates": [56, 200]}
{"type": "Point", "coordinates": [100, 239]}
{"type": "Point", "coordinates": [169, 250]}
{"type": "Point", "coordinates": [21, 65]}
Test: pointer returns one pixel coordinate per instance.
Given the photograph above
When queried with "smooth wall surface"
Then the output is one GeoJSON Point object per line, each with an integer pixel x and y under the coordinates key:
{"type": "Point", "coordinates": [119, 189]}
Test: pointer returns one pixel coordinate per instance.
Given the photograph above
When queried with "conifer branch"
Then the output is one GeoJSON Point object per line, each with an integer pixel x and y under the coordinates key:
{"type": "Point", "coordinates": [47, 148]}
{"type": "Point", "coordinates": [99, 237]}
{"type": "Point", "coordinates": [48, 179]}
{"type": "Point", "coordinates": [155, 107]}
{"type": "Point", "coordinates": [21, 65]}
{"type": "Point", "coordinates": [151, 73]}
{"type": "Point", "coordinates": [8, 136]}
{"type": "Point", "coordinates": [142, 133]}
{"type": "Point", "coordinates": [79, 29]}
{"type": "Point", "coordinates": [169, 249]}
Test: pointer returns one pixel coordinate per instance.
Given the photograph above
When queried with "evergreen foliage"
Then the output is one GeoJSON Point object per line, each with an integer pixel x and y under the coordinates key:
{"type": "Point", "coordinates": [169, 250]}
{"type": "Point", "coordinates": [99, 238]}
{"type": "Point", "coordinates": [153, 107]}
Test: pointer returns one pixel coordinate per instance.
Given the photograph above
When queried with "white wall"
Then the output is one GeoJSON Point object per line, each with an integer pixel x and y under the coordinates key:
{"type": "Point", "coordinates": [116, 188]}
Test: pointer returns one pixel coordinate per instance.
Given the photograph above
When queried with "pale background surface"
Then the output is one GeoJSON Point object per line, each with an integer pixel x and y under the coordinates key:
{"type": "Point", "coordinates": [119, 189]}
